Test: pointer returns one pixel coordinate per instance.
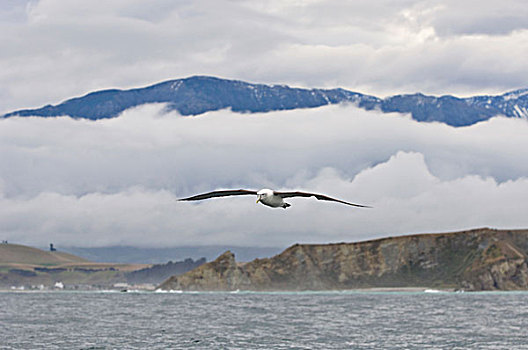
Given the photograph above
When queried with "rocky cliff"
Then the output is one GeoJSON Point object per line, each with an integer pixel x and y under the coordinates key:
{"type": "Point", "coordinates": [481, 259]}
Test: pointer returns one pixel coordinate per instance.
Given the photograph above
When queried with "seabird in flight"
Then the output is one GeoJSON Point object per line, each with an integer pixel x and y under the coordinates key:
{"type": "Point", "coordinates": [268, 197]}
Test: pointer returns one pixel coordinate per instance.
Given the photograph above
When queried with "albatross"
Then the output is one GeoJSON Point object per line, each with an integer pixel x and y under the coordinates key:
{"type": "Point", "coordinates": [268, 197]}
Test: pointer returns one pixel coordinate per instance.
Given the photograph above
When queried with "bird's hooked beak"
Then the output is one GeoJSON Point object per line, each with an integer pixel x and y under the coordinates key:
{"type": "Point", "coordinates": [258, 198]}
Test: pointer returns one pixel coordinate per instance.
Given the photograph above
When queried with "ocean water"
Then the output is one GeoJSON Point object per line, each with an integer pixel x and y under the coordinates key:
{"type": "Point", "coordinates": [337, 320]}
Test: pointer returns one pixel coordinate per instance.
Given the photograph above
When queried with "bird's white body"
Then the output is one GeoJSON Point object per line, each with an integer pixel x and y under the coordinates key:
{"type": "Point", "coordinates": [269, 198]}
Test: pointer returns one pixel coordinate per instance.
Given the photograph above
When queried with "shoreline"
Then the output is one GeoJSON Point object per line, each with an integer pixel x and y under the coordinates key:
{"type": "Point", "coordinates": [377, 290]}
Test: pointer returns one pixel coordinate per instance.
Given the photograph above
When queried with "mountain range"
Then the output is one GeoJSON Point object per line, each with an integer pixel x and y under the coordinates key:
{"type": "Point", "coordinates": [199, 94]}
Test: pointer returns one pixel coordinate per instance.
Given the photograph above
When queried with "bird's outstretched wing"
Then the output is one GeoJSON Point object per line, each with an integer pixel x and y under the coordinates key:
{"type": "Point", "coordinates": [223, 193]}
{"type": "Point", "coordinates": [320, 197]}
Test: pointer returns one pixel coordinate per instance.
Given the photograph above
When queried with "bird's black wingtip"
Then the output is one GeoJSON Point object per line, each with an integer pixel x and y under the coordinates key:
{"type": "Point", "coordinates": [362, 206]}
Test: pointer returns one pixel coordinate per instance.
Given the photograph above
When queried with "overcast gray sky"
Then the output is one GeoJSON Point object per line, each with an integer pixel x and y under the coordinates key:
{"type": "Point", "coordinates": [106, 182]}
{"type": "Point", "coordinates": [53, 50]}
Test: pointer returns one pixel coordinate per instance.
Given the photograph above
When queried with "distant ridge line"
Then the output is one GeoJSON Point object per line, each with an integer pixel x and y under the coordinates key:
{"type": "Point", "coordinates": [200, 94]}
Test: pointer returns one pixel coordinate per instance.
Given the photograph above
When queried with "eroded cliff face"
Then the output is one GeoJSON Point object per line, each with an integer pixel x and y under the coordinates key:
{"type": "Point", "coordinates": [221, 274]}
{"type": "Point", "coordinates": [482, 259]}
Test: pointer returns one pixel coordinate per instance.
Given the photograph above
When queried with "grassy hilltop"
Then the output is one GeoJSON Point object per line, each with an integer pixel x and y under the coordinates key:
{"type": "Point", "coordinates": [15, 254]}
{"type": "Point", "coordinates": [35, 268]}
{"type": "Point", "coordinates": [26, 266]}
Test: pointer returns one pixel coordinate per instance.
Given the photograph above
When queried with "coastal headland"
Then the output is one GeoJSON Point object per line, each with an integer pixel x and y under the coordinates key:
{"type": "Point", "coordinates": [474, 260]}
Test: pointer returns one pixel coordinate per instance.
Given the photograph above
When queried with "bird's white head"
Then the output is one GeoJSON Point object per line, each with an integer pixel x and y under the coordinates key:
{"type": "Point", "coordinates": [264, 193]}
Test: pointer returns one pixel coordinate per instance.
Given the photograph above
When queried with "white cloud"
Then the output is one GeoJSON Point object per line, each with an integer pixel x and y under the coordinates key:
{"type": "Point", "coordinates": [64, 49]}
{"type": "Point", "coordinates": [116, 181]}
{"type": "Point", "coordinates": [479, 17]}
{"type": "Point", "coordinates": [149, 148]}
{"type": "Point", "coordinates": [421, 203]}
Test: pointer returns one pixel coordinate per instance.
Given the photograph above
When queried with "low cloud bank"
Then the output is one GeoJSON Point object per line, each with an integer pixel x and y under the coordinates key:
{"type": "Point", "coordinates": [406, 198]}
{"type": "Point", "coordinates": [86, 183]}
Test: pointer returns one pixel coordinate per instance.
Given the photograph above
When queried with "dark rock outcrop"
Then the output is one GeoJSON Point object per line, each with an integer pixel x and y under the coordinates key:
{"type": "Point", "coordinates": [222, 274]}
{"type": "Point", "coordinates": [481, 259]}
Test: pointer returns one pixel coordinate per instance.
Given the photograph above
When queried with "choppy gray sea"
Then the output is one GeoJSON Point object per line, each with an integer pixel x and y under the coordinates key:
{"type": "Point", "coordinates": [338, 320]}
